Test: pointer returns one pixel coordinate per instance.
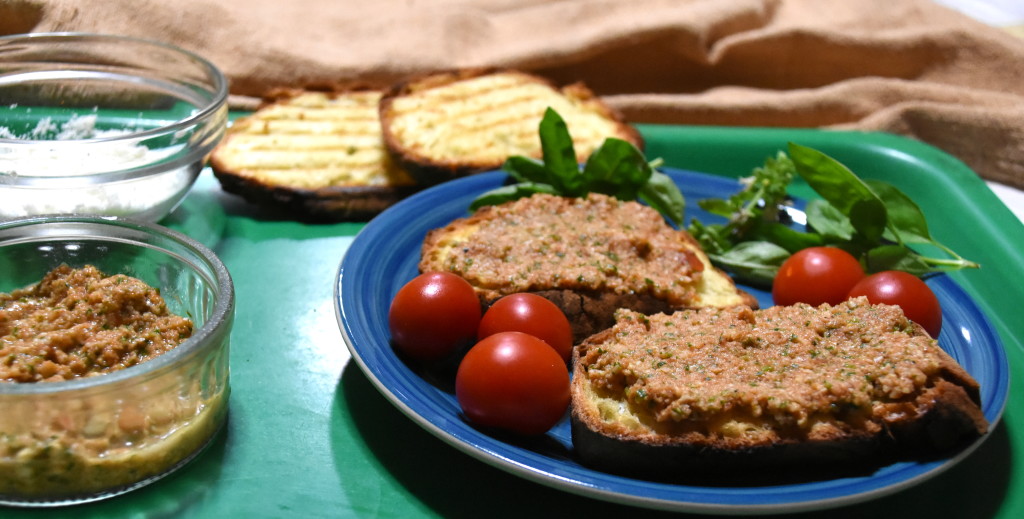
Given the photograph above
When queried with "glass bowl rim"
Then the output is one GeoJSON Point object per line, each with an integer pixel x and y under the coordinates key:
{"type": "Point", "coordinates": [216, 325]}
{"type": "Point", "coordinates": [216, 103]}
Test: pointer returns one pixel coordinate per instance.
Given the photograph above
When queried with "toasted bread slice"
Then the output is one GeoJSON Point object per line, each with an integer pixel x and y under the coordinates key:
{"type": "Point", "coordinates": [736, 392]}
{"type": "Point", "coordinates": [589, 255]}
{"type": "Point", "coordinates": [313, 154]}
{"type": "Point", "coordinates": [446, 125]}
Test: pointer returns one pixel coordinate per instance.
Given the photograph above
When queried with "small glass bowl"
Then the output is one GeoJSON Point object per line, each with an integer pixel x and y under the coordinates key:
{"type": "Point", "coordinates": [102, 124]}
{"type": "Point", "coordinates": [95, 437]}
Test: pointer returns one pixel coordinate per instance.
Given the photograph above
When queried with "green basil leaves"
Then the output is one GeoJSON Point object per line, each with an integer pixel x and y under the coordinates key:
{"type": "Point", "coordinates": [871, 219]}
{"type": "Point", "coordinates": [616, 168]}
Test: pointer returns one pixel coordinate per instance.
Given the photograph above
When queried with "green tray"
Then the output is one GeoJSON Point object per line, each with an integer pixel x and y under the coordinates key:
{"type": "Point", "coordinates": [309, 436]}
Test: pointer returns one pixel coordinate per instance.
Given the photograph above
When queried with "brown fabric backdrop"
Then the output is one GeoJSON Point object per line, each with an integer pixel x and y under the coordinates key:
{"type": "Point", "coordinates": [906, 66]}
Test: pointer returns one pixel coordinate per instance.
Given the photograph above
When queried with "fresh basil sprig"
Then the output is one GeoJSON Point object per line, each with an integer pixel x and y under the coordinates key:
{"type": "Point", "coordinates": [616, 168]}
{"type": "Point", "coordinates": [871, 219]}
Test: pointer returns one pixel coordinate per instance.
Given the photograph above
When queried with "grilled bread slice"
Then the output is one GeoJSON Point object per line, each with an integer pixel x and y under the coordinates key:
{"type": "Point", "coordinates": [450, 124]}
{"type": "Point", "coordinates": [316, 155]}
{"type": "Point", "coordinates": [737, 392]}
{"type": "Point", "coordinates": [590, 256]}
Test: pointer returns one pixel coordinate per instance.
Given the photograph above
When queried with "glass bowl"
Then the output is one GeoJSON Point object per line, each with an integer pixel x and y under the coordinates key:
{"type": "Point", "coordinates": [90, 438]}
{"type": "Point", "coordinates": [101, 124]}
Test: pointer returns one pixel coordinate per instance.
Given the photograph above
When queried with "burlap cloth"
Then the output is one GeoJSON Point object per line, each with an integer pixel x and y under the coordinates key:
{"type": "Point", "coordinates": [909, 67]}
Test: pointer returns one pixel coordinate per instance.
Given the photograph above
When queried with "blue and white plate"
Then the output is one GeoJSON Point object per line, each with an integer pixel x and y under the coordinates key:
{"type": "Point", "coordinates": [384, 256]}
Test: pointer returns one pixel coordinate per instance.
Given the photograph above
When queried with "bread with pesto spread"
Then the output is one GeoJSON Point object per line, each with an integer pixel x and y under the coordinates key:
{"type": "Point", "coordinates": [590, 256]}
{"type": "Point", "coordinates": [739, 394]}
{"type": "Point", "coordinates": [313, 154]}
{"type": "Point", "coordinates": [446, 125]}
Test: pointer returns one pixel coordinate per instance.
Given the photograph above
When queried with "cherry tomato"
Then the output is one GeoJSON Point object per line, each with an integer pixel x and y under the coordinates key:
{"type": "Point", "coordinates": [909, 292]}
{"type": "Point", "coordinates": [816, 275]}
{"type": "Point", "coordinates": [434, 315]}
{"type": "Point", "coordinates": [513, 381]}
{"type": "Point", "coordinates": [530, 314]}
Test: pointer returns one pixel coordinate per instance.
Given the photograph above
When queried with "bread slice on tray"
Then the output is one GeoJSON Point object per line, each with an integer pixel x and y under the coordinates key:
{"type": "Point", "coordinates": [589, 255]}
{"type": "Point", "coordinates": [738, 394]}
{"type": "Point", "coordinates": [313, 154]}
{"type": "Point", "coordinates": [450, 124]}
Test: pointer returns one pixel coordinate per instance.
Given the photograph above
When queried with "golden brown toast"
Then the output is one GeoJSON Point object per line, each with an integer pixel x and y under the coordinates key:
{"type": "Point", "coordinates": [450, 124]}
{"type": "Point", "coordinates": [313, 154]}
{"type": "Point", "coordinates": [589, 255]}
{"type": "Point", "coordinates": [733, 392]}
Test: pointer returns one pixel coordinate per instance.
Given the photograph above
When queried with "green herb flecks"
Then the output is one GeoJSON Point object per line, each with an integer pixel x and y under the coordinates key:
{"type": "Point", "coordinates": [871, 219]}
{"type": "Point", "coordinates": [616, 168]}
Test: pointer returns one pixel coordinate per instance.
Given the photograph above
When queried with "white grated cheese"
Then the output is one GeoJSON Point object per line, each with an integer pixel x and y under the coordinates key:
{"type": "Point", "coordinates": [150, 194]}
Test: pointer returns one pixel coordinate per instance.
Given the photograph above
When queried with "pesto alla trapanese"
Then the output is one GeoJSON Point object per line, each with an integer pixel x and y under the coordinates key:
{"type": "Point", "coordinates": [81, 323]}
{"type": "Point", "coordinates": [78, 323]}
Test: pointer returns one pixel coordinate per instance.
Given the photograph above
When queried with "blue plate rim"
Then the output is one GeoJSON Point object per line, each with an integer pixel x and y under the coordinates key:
{"type": "Point", "coordinates": [579, 480]}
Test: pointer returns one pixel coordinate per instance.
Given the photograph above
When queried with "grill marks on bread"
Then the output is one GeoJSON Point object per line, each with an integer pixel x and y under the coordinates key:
{"type": "Point", "coordinates": [446, 125]}
{"type": "Point", "coordinates": [318, 154]}
{"type": "Point", "coordinates": [343, 154]}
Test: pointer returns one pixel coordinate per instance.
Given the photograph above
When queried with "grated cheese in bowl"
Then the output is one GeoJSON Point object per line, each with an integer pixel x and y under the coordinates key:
{"type": "Point", "coordinates": [65, 157]}
{"type": "Point", "coordinates": [103, 125]}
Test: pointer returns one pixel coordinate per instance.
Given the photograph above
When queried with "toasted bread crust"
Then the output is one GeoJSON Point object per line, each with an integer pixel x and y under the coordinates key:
{"type": "Point", "coordinates": [590, 256]}
{"type": "Point", "coordinates": [450, 124]}
{"type": "Point", "coordinates": [313, 154]}
{"type": "Point", "coordinates": [922, 403]}
{"type": "Point", "coordinates": [353, 203]}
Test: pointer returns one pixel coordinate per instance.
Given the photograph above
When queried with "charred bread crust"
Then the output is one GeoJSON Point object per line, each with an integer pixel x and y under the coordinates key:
{"type": "Point", "coordinates": [698, 464]}
{"type": "Point", "coordinates": [590, 312]}
{"type": "Point", "coordinates": [946, 423]}
{"type": "Point", "coordinates": [342, 200]}
{"type": "Point", "coordinates": [315, 205]}
{"type": "Point", "coordinates": [938, 420]}
{"type": "Point", "coordinates": [430, 168]}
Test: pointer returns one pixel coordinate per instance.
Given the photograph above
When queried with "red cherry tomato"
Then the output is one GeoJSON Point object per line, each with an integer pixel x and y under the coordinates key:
{"type": "Point", "coordinates": [434, 315]}
{"type": "Point", "coordinates": [907, 291]}
{"type": "Point", "coordinates": [530, 314]}
{"type": "Point", "coordinates": [513, 381]}
{"type": "Point", "coordinates": [816, 275]}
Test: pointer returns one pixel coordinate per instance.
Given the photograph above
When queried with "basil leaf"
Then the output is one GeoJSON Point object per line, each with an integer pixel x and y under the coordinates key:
{"type": "Point", "coordinates": [616, 168]}
{"type": "Point", "coordinates": [824, 219]}
{"type": "Point", "coordinates": [896, 257]}
{"type": "Point", "coordinates": [511, 192]}
{"type": "Point", "coordinates": [829, 178]}
{"type": "Point", "coordinates": [717, 206]}
{"type": "Point", "coordinates": [558, 151]}
{"type": "Point", "coordinates": [905, 217]}
{"type": "Point", "coordinates": [868, 217]}
{"type": "Point", "coordinates": [755, 262]}
{"type": "Point", "coordinates": [662, 193]}
{"type": "Point", "coordinates": [527, 169]}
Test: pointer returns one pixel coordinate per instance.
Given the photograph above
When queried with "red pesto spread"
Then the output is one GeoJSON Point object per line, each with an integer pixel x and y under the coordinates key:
{"type": "Point", "coordinates": [598, 242]}
{"type": "Point", "coordinates": [80, 322]}
{"type": "Point", "coordinates": [782, 362]}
